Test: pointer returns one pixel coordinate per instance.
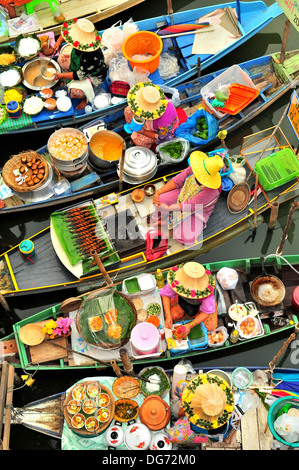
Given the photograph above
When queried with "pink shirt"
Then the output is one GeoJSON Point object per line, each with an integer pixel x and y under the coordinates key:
{"type": "Point", "coordinates": [207, 305]}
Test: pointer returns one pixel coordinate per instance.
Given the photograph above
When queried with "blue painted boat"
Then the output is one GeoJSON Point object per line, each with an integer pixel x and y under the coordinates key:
{"type": "Point", "coordinates": [253, 17]}
{"type": "Point", "coordinates": [272, 78]}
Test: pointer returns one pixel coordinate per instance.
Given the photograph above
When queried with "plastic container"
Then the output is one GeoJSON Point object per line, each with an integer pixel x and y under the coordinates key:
{"type": "Point", "coordinates": [295, 299]}
{"type": "Point", "coordinates": [26, 248]}
{"type": "Point", "coordinates": [145, 339]}
{"type": "Point", "coordinates": [143, 42]}
{"type": "Point", "coordinates": [63, 187]}
{"type": "Point", "coordinates": [242, 378]}
{"type": "Point", "coordinates": [160, 279]}
{"type": "Point", "coordinates": [277, 169]}
{"type": "Point", "coordinates": [227, 185]}
{"type": "Point", "coordinates": [272, 414]}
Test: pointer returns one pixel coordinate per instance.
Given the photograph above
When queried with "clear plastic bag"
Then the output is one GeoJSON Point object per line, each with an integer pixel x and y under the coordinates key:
{"type": "Point", "coordinates": [214, 334]}
{"type": "Point", "coordinates": [172, 94]}
{"type": "Point", "coordinates": [227, 278]}
{"type": "Point", "coordinates": [114, 36]}
{"type": "Point", "coordinates": [242, 322]}
{"type": "Point", "coordinates": [166, 158]}
{"type": "Point", "coordinates": [129, 27]}
{"type": "Point", "coordinates": [287, 427]}
{"type": "Point", "coordinates": [168, 66]}
{"type": "Point", "coordinates": [106, 318]}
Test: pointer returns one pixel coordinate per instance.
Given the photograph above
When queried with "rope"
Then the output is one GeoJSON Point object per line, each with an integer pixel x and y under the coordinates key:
{"type": "Point", "coordinates": [286, 261]}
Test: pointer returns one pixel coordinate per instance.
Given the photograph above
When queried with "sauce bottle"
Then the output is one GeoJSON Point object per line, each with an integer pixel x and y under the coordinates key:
{"type": "Point", "coordinates": [160, 279]}
{"type": "Point", "coordinates": [234, 336]}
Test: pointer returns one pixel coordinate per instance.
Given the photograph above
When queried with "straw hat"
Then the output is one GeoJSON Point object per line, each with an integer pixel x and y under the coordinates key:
{"type": "Point", "coordinates": [81, 34]}
{"type": "Point", "coordinates": [191, 280]}
{"type": "Point", "coordinates": [208, 401]}
{"type": "Point", "coordinates": [206, 169]}
{"type": "Point", "coordinates": [147, 100]}
{"type": "Point", "coordinates": [31, 334]}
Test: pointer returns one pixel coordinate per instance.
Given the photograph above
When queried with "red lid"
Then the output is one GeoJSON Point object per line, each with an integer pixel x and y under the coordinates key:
{"type": "Point", "coordinates": [296, 297]}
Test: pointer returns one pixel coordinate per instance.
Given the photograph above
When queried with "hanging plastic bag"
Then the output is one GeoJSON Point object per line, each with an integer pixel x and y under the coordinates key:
{"type": "Point", "coordinates": [168, 66]}
{"type": "Point", "coordinates": [119, 70]}
{"type": "Point", "coordinates": [188, 128]}
{"type": "Point", "coordinates": [174, 151]}
{"type": "Point", "coordinates": [129, 27]}
{"type": "Point", "coordinates": [172, 94]}
{"type": "Point", "coordinates": [114, 36]}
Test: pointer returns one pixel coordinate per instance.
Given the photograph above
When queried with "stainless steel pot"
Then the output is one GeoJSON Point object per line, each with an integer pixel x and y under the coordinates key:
{"type": "Point", "coordinates": [68, 165]}
{"type": "Point", "coordinates": [33, 68]}
{"type": "Point", "coordinates": [140, 165]}
{"type": "Point", "coordinates": [95, 157]}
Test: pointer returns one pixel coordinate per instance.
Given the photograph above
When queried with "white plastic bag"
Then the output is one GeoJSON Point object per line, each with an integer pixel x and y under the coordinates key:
{"type": "Point", "coordinates": [287, 427]}
{"type": "Point", "coordinates": [168, 65]}
{"type": "Point", "coordinates": [129, 28]}
{"type": "Point", "coordinates": [250, 401]}
{"type": "Point", "coordinates": [255, 331]}
{"type": "Point", "coordinates": [172, 94]}
{"type": "Point", "coordinates": [220, 343]}
{"type": "Point", "coordinates": [227, 278]}
{"type": "Point", "coordinates": [114, 36]}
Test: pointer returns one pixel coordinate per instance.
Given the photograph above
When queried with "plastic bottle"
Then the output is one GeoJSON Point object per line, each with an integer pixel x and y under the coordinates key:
{"type": "Point", "coordinates": [234, 336]}
{"type": "Point", "coordinates": [58, 14]}
{"type": "Point", "coordinates": [160, 279]}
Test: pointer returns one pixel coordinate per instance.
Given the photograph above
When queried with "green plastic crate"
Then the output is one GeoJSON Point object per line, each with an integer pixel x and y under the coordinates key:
{"type": "Point", "coordinates": [277, 169]}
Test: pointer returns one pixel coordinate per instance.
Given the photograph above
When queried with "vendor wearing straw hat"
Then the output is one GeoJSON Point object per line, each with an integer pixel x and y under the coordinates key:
{"type": "Point", "coordinates": [190, 197]}
{"type": "Point", "coordinates": [86, 65]}
{"type": "Point", "coordinates": [189, 293]}
{"type": "Point", "coordinates": [148, 102]}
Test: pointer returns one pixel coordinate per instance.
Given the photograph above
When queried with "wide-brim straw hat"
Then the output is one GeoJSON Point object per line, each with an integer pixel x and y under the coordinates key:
{"type": "Point", "coordinates": [147, 101]}
{"type": "Point", "coordinates": [208, 401]}
{"type": "Point", "coordinates": [31, 334]}
{"type": "Point", "coordinates": [191, 280]}
{"type": "Point", "coordinates": [81, 34]}
{"type": "Point", "coordinates": [206, 169]}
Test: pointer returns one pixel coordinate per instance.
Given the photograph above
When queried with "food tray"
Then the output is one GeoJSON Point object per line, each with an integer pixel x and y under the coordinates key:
{"type": "Point", "coordinates": [68, 417]}
{"type": "Point", "coordinates": [240, 96]}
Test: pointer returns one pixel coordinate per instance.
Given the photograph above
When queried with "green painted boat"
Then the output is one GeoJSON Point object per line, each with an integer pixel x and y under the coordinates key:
{"type": "Point", "coordinates": [78, 353]}
{"type": "Point", "coordinates": [49, 270]}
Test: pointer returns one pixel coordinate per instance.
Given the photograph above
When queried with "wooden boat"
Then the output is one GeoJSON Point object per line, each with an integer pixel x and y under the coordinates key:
{"type": "Point", "coordinates": [49, 270]}
{"type": "Point", "coordinates": [254, 17]}
{"type": "Point", "coordinates": [94, 11]}
{"type": "Point", "coordinates": [265, 72]}
{"type": "Point", "coordinates": [75, 352]}
{"type": "Point", "coordinates": [250, 431]}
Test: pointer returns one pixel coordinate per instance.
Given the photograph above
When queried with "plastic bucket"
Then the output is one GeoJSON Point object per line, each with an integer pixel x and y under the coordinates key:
{"type": "Point", "coordinates": [272, 413]}
{"type": "Point", "coordinates": [143, 42]}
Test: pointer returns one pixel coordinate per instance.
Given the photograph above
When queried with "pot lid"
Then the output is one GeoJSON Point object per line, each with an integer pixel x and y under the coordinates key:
{"type": "Point", "coordinates": [139, 160]}
{"type": "Point", "coordinates": [160, 441]}
{"type": "Point", "coordinates": [114, 435]}
{"type": "Point", "coordinates": [145, 336]}
{"type": "Point", "coordinates": [137, 437]}
{"type": "Point", "coordinates": [155, 413]}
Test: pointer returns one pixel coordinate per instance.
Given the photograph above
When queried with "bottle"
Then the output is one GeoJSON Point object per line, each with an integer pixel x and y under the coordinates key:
{"type": "Point", "coordinates": [234, 336]}
{"type": "Point", "coordinates": [160, 279]}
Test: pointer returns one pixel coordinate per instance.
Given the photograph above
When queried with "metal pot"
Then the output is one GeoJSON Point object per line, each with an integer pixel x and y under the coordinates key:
{"type": "Point", "coordinates": [140, 165]}
{"type": "Point", "coordinates": [68, 165]}
{"type": "Point", "coordinates": [95, 158]}
{"type": "Point", "coordinates": [33, 68]}
{"type": "Point", "coordinates": [272, 283]}
{"type": "Point", "coordinates": [42, 193]}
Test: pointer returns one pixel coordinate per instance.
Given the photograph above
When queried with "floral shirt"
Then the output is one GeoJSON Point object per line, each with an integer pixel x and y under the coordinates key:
{"type": "Point", "coordinates": [89, 65]}
{"type": "Point", "coordinates": [207, 304]}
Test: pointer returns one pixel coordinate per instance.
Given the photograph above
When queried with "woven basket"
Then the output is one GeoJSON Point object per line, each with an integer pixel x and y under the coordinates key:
{"type": "Point", "coordinates": [14, 163]}
{"type": "Point", "coordinates": [106, 345]}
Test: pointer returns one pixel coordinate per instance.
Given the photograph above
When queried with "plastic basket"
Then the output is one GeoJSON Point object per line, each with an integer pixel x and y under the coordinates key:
{"type": "Point", "coordinates": [240, 96]}
{"type": "Point", "coordinates": [272, 414]}
{"type": "Point", "coordinates": [277, 169]}
{"type": "Point", "coordinates": [143, 42]}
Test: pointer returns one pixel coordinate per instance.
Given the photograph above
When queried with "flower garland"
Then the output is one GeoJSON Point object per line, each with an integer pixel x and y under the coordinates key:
{"type": "Point", "coordinates": [180, 289]}
{"type": "Point", "coordinates": [131, 100]}
{"type": "Point", "coordinates": [187, 396]}
{"type": "Point", "coordinates": [82, 47]}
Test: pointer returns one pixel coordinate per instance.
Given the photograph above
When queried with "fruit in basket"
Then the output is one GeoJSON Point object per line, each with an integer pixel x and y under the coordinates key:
{"type": "Point", "coordinates": [216, 337]}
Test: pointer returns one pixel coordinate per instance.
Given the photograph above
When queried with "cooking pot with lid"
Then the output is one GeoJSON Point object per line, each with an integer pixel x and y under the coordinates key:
{"type": "Point", "coordinates": [140, 165]}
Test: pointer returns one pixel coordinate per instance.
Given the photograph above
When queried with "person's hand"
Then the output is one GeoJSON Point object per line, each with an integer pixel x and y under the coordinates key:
{"type": "Point", "coordinates": [58, 76]}
{"type": "Point", "coordinates": [156, 197]}
{"type": "Point", "coordinates": [168, 322]}
{"type": "Point", "coordinates": [187, 328]}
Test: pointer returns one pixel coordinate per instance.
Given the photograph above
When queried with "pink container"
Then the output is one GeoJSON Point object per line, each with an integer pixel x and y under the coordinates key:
{"type": "Point", "coordinates": [295, 299]}
{"type": "Point", "coordinates": [145, 339]}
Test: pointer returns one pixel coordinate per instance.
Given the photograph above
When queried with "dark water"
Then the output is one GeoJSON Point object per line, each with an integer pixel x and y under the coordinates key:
{"type": "Point", "coordinates": [13, 229]}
